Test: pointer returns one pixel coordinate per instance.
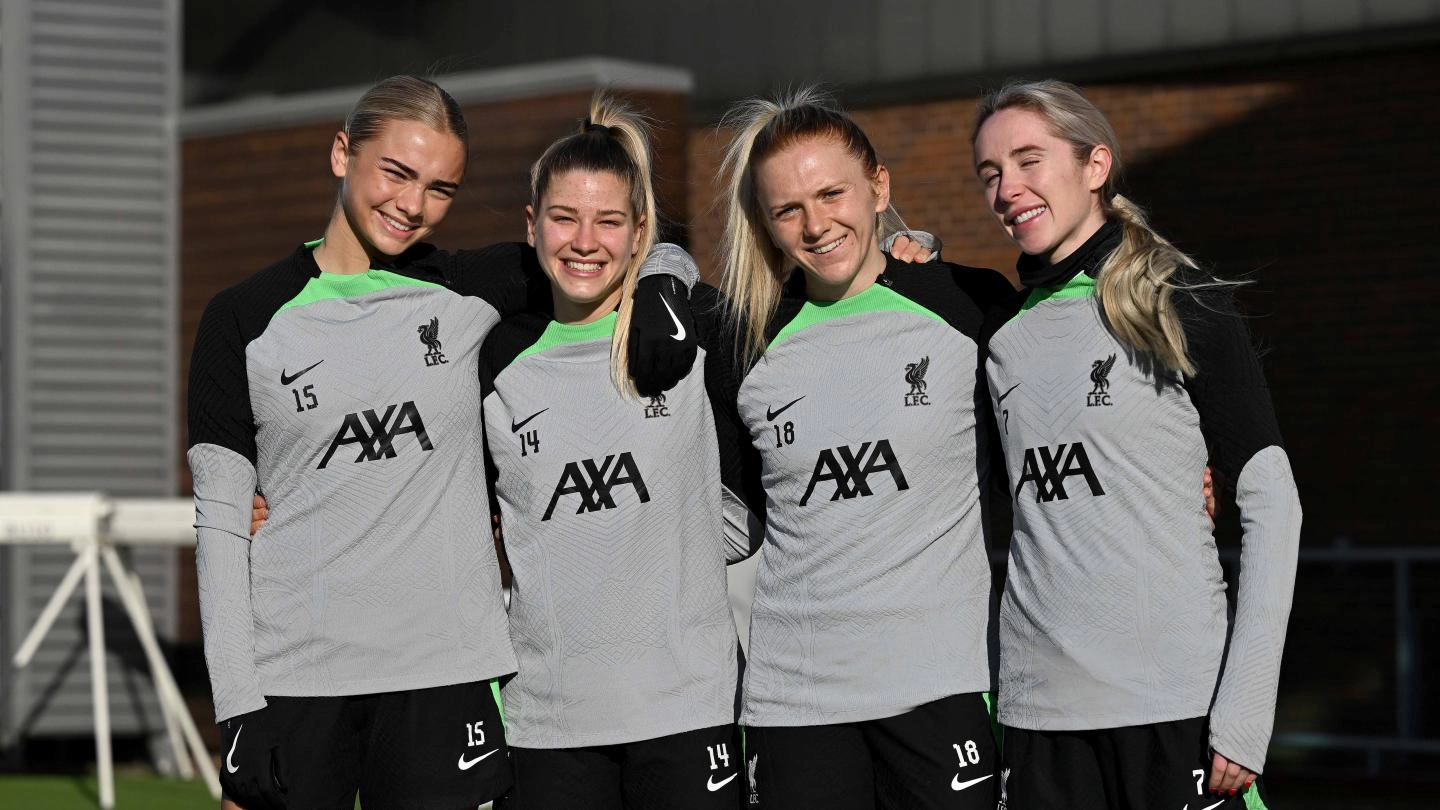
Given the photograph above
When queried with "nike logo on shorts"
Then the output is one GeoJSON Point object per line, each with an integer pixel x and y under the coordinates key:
{"type": "Point", "coordinates": [515, 426]}
{"type": "Point", "coordinates": [286, 379]}
{"type": "Point", "coordinates": [956, 784]}
{"type": "Point", "coordinates": [679, 330]}
{"type": "Point", "coordinates": [230, 757]}
{"type": "Point", "coordinates": [713, 786]}
{"type": "Point", "coordinates": [770, 415]}
{"type": "Point", "coordinates": [466, 764]}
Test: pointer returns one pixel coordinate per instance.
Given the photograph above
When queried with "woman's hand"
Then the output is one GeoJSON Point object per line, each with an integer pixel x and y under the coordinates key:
{"type": "Point", "coordinates": [1228, 777]}
{"type": "Point", "coordinates": [1207, 490]}
{"type": "Point", "coordinates": [259, 513]}
{"type": "Point", "coordinates": [908, 250]}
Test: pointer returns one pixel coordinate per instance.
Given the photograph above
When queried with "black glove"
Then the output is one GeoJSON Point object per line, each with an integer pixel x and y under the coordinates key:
{"type": "Point", "coordinates": [662, 334]}
{"type": "Point", "coordinates": [250, 767]}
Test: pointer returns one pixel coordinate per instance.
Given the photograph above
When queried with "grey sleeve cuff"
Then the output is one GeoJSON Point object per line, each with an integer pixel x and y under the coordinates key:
{"type": "Point", "coordinates": [224, 488]}
{"type": "Point", "coordinates": [923, 238]}
{"type": "Point", "coordinates": [743, 531]}
{"type": "Point", "coordinates": [671, 260]}
{"type": "Point", "coordinates": [1244, 713]}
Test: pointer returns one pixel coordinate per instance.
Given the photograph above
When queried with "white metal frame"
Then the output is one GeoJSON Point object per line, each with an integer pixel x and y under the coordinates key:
{"type": "Point", "coordinates": [93, 526]}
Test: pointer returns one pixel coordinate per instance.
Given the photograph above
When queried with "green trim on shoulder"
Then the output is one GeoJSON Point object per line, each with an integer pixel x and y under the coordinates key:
{"type": "Point", "coordinates": [327, 286]}
{"type": "Point", "coordinates": [559, 334]}
{"type": "Point", "coordinates": [499, 706]}
{"type": "Point", "coordinates": [1081, 286]}
{"type": "Point", "coordinates": [314, 243]}
{"type": "Point", "coordinates": [875, 298]}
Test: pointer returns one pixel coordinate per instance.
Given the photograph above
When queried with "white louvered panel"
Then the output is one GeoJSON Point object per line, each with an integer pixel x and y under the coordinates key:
{"type": "Point", "coordinates": [96, 381]}
{"type": "Point", "coordinates": [61, 397]}
{"type": "Point", "coordinates": [54, 334]}
{"type": "Point", "coordinates": [112, 229]}
{"type": "Point", "coordinates": [63, 53]}
{"type": "Point", "coordinates": [62, 251]}
{"type": "Point", "coordinates": [120, 420]}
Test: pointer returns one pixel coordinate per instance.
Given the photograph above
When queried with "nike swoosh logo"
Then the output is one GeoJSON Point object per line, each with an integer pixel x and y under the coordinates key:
{"type": "Point", "coordinates": [515, 426]}
{"type": "Point", "coordinates": [770, 415]}
{"type": "Point", "coordinates": [714, 786]}
{"type": "Point", "coordinates": [286, 379]}
{"type": "Point", "coordinates": [956, 784]}
{"type": "Point", "coordinates": [230, 757]}
{"type": "Point", "coordinates": [466, 764]}
{"type": "Point", "coordinates": [679, 330]}
{"type": "Point", "coordinates": [1213, 806]}
{"type": "Point", "coordinates": [1001, 398]}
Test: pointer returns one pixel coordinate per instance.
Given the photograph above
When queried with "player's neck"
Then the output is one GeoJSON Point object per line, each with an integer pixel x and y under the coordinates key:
{"type": "Point", "coordinates": [341, 251]}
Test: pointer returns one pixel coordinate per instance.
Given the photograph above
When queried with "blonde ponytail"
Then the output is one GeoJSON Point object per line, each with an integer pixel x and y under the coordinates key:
{"type": "Point", "coordinates": [751, 263]}
{"type": "Point", "coordinates": [614, 138]}
{"type": "Point", "coordinates": [1135, 290]}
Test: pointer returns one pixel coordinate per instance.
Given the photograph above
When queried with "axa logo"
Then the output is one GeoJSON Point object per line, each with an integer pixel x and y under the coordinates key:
{"type": "Point", "coordinates": [1047, 468]}
{"type": "Point", "coordinates": [656, 408]}
{"type": "Point", "coordinates": [1100, 376]}
{"type": "Point", "coordinates": [850, 468]}
{"type": "Point", "coordinates": [915, 375]}
{"type": "Point", "coordinates": [376, 433]}
{"type": "Point", "coordinates": [430, 336]}
{"type": "Point", "coordinates": [595, 483]}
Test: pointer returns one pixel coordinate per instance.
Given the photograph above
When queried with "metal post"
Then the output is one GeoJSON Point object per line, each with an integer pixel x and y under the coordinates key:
{"type": "Point", "coordinates": [51, 611]}
{"type": "Point", "coordinates": [99, 685]}
{"type": "Point", "coordinates": [184, 768]}
{"type": "Point", "coordinates": [166, 689]}
{"type": "Point", "coordinates": [1405, 721]}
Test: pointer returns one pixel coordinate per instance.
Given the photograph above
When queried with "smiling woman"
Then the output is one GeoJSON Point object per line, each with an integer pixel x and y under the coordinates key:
{"type": "Point", "coordinates": [355, 644]}
{"type": "Point", "coordinates": [585, 242]}
{"type": "Point", "coordinates": [820, 208]}
{"type": "Point", "coordinates": [1122, 684]}
{"type": "Point", "coordinates": [868, 670]}
{"type": "Point", "coordinates": [618, 513]}
{"type": "Point", "coordinates": [400, 164]}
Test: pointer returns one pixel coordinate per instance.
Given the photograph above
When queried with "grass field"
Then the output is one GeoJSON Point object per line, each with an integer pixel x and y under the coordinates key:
{"type": "Point", "coordinates": [132, 792]}
{"type": "Point", "coordinates": [78, 792]}
{"type": "Point", "coordinates": [139, 792]}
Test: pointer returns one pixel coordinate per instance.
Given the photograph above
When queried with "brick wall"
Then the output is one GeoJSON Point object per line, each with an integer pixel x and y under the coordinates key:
{"type": "Point", "coordinates": [1311, 179]}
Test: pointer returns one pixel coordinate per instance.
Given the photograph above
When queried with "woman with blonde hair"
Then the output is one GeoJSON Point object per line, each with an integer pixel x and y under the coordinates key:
{"type": "Point", "coordinates": [868, 670]}
{"type": "Point", "coordinates": [1124, 370]}
{"type": "Point", "coordinates": [614, 510]}
{"type": "Point", "coordinates": [354, 643]}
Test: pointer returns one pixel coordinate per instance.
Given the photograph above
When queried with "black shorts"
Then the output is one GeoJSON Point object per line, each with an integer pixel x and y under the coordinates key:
{"type": "Point", "coordinates": [1158, 765]}
{"type": "Point", "coordinates": [441, 748]}
{"type": "Point", "coordinates": [692, 770]}
{"type": "Point", "coordinates": [940, 755]}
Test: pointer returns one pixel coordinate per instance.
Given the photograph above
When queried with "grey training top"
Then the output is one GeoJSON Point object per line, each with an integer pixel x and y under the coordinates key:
{"type": "Point", "coordinates": [611, 511]}
{"type": "Point", "coordinates": [873, 592]}
{"type": "Point", "coordinates": [1114, 611]}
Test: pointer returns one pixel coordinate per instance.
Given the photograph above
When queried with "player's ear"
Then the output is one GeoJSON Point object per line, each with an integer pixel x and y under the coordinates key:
{"type": "Point", "coordinates": [340, 154]}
